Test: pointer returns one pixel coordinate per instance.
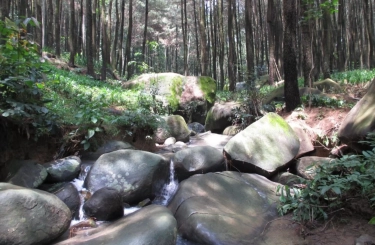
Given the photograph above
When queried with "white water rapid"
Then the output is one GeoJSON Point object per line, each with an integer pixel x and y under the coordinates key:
{"type": "Point", "coordinates": [169, 188]}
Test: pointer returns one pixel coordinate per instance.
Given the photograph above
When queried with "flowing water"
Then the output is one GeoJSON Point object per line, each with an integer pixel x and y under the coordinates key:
{"type": "Point", "coordinates": [169, 189]}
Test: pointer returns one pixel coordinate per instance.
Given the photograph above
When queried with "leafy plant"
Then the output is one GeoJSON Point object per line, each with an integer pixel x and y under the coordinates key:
{"type": "Point", "coordinates": [21, 78]}
{"type": "Point", "coordinates": [318, 100]}
{"type": "Point", "coordinates": [332, 186]}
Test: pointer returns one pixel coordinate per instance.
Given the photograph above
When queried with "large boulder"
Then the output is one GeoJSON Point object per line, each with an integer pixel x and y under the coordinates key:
{"type": "Point", "coordinates": [199, 159]}
{"type": "Point", "coordinates": [135, 174]}
{"type": "Point", "coordinates": [218, 117]}
{"type": "Point", "coordinates": [106, 204]}
{"type": "Point", "coordinates": [31, 216]}
{"type": "Point", "coordinates": [67, 193]}
{"type": "Point", "coordinates": [303, 133]}
{"type": "Point", "coordinates": [191, 95]}
{"type": "Point", "coordinates": [175, 126]}
{"type": "Point", "coordinates": [224, 208]}
{"type": "Point", "coordinates": [360, 120]}
{"type": "Point", "coordinates": [63, 170]}
{"type": "Point", "coordinates": [263, 147]}
{"type": "Point", "coordinates": [26, 173]}
{"type": "Point", "coordinates": [153, 224]}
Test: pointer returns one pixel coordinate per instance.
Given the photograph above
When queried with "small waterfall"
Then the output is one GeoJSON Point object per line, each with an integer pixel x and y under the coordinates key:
{"type": "Point", "coordinates": [169, 189]}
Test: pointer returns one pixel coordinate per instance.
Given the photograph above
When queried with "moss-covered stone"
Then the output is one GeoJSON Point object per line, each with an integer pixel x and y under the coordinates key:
{"type": "Point", "coordinates": [208, 86]}
{"type": "Point", "coordinates": [175, 93]}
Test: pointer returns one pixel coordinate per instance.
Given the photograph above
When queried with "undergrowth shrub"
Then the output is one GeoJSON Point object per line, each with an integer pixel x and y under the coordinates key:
{"type": "Point", "coordinates": [333, 185]}
{"type": "Point", "coordinates": [21, 79]}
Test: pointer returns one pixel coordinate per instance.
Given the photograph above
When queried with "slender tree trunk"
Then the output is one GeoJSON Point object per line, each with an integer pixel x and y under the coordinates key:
{"type": "Point", "coordinates": [72, 34]}
{"type": "Point", "coordinates": [291, 92]}
{"type": "Point", "coordinates": [249, 44]}
{"type": "Point", "coordinates": [306, 43]}
{"type": "Point", "coordinates": [370, 32]}
{"type": "Point", "coordinates": [105, 42]}
{"type": "Point", "coordinates": [271, 39]}
{"type": "Point", "coordinates": [222, 43]}
{"type": "Point", "coordinates": [115, 41]}
{"type": "Point", "coordinates": [89, 47]}
{"type": "Point", "coordinates": [196, 34]}
{"type": "Point", "coordinates": [121, 51]}
{"type": "Point", "coordinates": [231, 48]}
{"type": "Point", "coordinates": [203, 39]}
{"type": "Point", "coordinates": [145, 32]}
{"type": "Point", "coordinates": [57, 28]}
{"type": "Point", "coordinates": [129, 40]}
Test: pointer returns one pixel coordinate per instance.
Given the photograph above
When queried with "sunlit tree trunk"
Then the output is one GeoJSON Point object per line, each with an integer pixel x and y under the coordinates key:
{"type": "Point", "coordinates": [129, 40]}
{"type": "Point", "coordinates": [57, 28]}
{"type": "Point", "coordinates": [89, 47]}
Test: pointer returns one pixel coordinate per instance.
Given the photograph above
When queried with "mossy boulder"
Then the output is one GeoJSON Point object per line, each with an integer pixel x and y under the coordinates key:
{"type": "Point", "coordinates": [328, 86]}
{"type": "Point", "coordinates": [189, 96]}
{"type": "Point", "coordinates": [264, 147]}
{"type": "Point", "coordinates": [359, 121]}
{"type": "Point", "coordinates": [173, 126]}
{"type": "Point", "coordinates": [63, 170]}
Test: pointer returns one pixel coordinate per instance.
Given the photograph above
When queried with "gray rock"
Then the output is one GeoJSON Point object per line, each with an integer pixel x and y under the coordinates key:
{"type": "Point", "coordinates": [264, 147]}
{"type": "Point", "coordinates": [26, 173]}
{"type": "Point", "coordinates": [224, 208]}
{"type": "Point", "coordinates": [365, 240]}
{"type": "Point", "coordinates": [207, 138]}
{"type": "Point", "coordinates": [286, 178]}
{"type": "Point", "coordinates": [359, 121]}
{"type": "Point", "coordinates": [197, 160]}
{"type": "Point", "coordinates": [218, 117]}
{"type": "Point", "coordinates": [306, 144]}
{"type": "Point", "coordinates": [31, 216]}
{"type": "Point", "coordinates": [196, 127]}
{"type": "Point", "coordinates": [232, 130]}
{"type": "Point", "coordinates": [135, 174]}
{"type": "Point", "coordinates": [306, 166]}
{"type": "Point", "coordinates": [63, 170]}
{"type": "Point", "coordinates": [175, 126]}
{"type": "Point", "coordinates": [67, 193]}
{"type": "Point", "coordinates": [105, 204]}
{"type": "Point", "coordinates": [153, 224]}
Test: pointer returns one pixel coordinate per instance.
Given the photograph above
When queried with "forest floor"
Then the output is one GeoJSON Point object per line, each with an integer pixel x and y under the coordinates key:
{"type": "Point", "coordinates": [345, 225]}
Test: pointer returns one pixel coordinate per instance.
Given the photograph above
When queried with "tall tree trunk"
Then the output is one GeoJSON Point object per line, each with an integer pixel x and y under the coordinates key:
{"type": "Point", "coordinates": [196, 34]}
{"type": "Point", "coordinates": [249, 44]}
{"type": "Point", "coordinates": [306, 43]}
{"type": "Point", "coordinates": [129, 40]}
{"type": "Point", "coordinates": [184, 36]}
{"type": "Point", "coordinates": [89, 47]}
{"type": "Point", "coordinates": [145, 32]}
{"type": "Point", "coordinates": [105, 43]}
{"type": "Point", "coordinates": [291, 92]}
{"type": "Point", "coordinates": [72, 35]}
{"type": "Point", "coordinates": [203, 38]}
{"type": "Point", "coordinates": [4, 9]}
{"type": "Point", "coordinates": [271, 40]}
{"type": "Point", "coordinates": [370, 32]}
{"type": "Point", "coordinates": [231, 48]}
{"type": "Point", "coordinates": [115, 41]}
{"type": "Point", "coordinates": [121, 51]}
{"type": "Point", "coordinates": [57, 28]}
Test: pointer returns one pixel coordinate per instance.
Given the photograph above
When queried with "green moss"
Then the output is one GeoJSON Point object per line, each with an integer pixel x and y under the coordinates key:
{"type": "Point", "coordinates": [278, 121]}
{"type": "Point", "coordinates": [176, 91]}
{"type": "Point", "coordinates": [208, 86]}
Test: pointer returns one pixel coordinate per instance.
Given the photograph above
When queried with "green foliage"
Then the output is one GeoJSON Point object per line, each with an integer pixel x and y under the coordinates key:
{"type": "Point", "coordinates": [334, 183]}
{"type": "Point", "coordinates": [354, 76]}
{"type": "Point", "coordinates": [224, 96]}
{"type": "Point", "coordinates": [21, 78]}
{"type": "Point", "coordinates": [317, 100]}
